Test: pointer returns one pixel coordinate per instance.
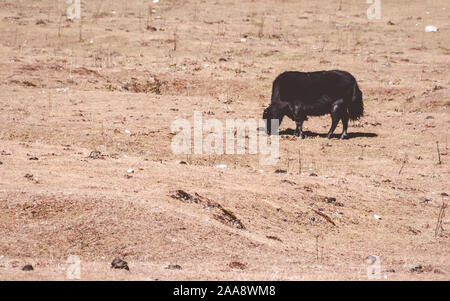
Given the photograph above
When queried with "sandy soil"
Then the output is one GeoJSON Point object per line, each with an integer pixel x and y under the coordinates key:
{"type": "Point", "coordinates": [71, 88]}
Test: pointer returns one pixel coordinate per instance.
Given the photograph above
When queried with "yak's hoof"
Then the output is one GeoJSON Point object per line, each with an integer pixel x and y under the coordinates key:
{"type": "Point", "coordinates": [300, 135]}
{"type": "Point", "coordinates": [329, 136]}
{"type": "Point", "coordinates": [344, 136]}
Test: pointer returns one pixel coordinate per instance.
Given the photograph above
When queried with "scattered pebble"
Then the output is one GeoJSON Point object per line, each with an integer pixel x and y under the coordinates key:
{"type": "Point", "coordinates": [221, 166]}
{"type": "Point", "coordinates": [182, 162]}
{"type": "Point", "coordinates": [313, 174]}
{"type": "Point", "coordinates": [127, 132]}
{"type": "Point", "coordinates": [95, 155]}
{"type": "Point", "coordinates": [33, 158]}
{"type": "Point", "coordinates": [377, 217]}
{"type": "Point", "coordinates": [417, 268]}
{"type": "Point", "coordinates": [273, 237]}
{"type": "Point", "coordinates": [237, 265]}
{"type": "Point", "coordinates": [330, 200]}
{"type": "Point", "coordinates": [431, 28]}
{"type": "Point", "coordinates": [280, 171]}
{"type": "Point", "coordinates": [118, 263]}
{"type": "Point", "coordinates": [174, 267]}
{"type": "Point", "coordinates": [130, 170]}
{"type": "Point", "coordinates": [27, 267]}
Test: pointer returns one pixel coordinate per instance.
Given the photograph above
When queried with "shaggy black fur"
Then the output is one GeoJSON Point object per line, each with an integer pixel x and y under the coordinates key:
{"type": "Point", "coordinates": [301, 94]}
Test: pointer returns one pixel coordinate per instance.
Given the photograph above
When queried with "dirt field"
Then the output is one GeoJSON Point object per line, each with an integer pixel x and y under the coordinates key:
{"type": "Point", "coordinates": [114, 81]}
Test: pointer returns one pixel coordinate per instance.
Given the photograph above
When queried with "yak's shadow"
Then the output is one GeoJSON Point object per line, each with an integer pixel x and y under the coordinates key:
{"type": "Point", "coordinates": [350, 135]}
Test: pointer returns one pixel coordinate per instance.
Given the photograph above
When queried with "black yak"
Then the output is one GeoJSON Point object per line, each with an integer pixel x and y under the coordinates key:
{"type": "Point", "coordinates": [301, 94]}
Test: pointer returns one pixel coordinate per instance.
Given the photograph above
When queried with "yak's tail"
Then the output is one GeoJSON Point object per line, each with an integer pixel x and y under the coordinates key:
{"type": "Point", "coordinates": [356, 107]}
{"type": "Point", "coordinates": [275, 91]}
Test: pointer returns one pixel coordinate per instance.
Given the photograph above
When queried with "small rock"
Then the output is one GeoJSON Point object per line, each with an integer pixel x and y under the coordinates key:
{"type": "Point", "coordinates": [237, 265]}
{"type": "Point", "coordinates": [417, 268]}
{"type": "Point", "coordinates": [221, 166]}
{"type": "Point", "coordinates": [273, 237]}
{"type": "Point", "coordinates": [95, 155]}
{"type": "Point", "coordinates": [127, 132]}
{"type": "Point", "coordinates": [40, 22]}
{"type": "Point", "coordinates": [330, 200]}
{"type": "Point", "coordinates": [27, 267]}
{"type": "Point", "coordinates": [390, 23]}
{"type": "Point", "coordinates": [182, 162]}
{"type": "Point", "coordinates": [118, 263]}
{"type": "Point", "coordinates": [377, 217]}
{"type": "Point", "coordinates": [280, 171]}
{"type": "Point", "coordinates": [313, 174]}
{"type": "Point", "coordinates": [174, 267]}
{"type": "Point", "coordinates": [130, 170]}
{"type": "Point", "coordinates": [33, 158]}
{"type": "Point", "coordinates": [183, 195]}
{"type": "Point", "coordinates": [391, 271]}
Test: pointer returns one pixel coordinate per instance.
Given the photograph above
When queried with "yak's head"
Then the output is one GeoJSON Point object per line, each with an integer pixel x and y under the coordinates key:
{"type": "Point", "coordinates": [269, 116]}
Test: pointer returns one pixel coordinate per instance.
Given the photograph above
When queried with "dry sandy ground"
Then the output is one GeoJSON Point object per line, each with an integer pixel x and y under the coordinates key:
{"type": "Point", "coordinates": [70, 88]}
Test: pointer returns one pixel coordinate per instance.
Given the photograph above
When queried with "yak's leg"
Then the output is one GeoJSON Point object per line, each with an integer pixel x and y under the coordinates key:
{"type": "Point", "coordinates": [298, 115]}
{"type": "Point", "coordinates": [334, 122]}
{"type": "Point", "coordinates": [337, 112]}
{"type": "Point", "coordinates": [344, 119]}
{"type": "Point", "coordinates": [298, 130]}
